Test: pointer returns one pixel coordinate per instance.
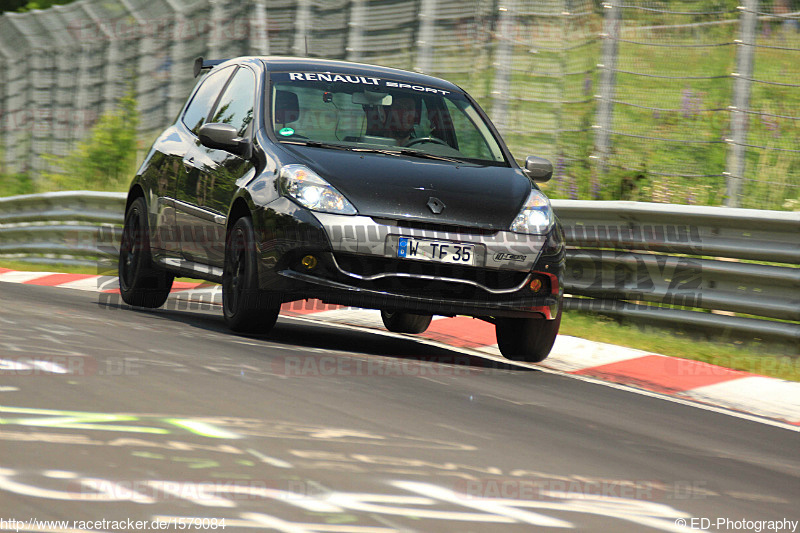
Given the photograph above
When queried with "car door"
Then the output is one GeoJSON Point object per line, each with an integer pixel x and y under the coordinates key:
{"type": "Point", "coordinates": [206, 189]}
{"type": "Point", "coordinates": [178, 141]}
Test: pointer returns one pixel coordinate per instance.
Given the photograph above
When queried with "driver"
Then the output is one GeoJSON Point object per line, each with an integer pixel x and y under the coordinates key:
{"type": "Point", "coordinates": [400, 119]}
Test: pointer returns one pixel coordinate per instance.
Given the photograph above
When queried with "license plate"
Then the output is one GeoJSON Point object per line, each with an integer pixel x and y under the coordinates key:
{"type": "Point", "coordinates": [439, 251]}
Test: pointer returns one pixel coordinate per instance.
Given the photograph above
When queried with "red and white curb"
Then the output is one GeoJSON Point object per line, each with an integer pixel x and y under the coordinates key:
{"type": "Point", "coordinates": [678, 378]}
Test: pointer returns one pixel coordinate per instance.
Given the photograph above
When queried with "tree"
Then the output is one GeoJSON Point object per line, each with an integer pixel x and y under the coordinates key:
{"type": "Point", "coordinates": [21, 6]}
{"type": "Point", "coordinates": [105, 160]}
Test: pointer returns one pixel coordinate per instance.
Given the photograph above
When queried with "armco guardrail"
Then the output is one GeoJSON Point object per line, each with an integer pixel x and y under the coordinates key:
{"type": "Point", "coordinates": [668, 264]}
{"type": "Point", "coordinates": [664, 264]}
{"type": "Point", "coordinates": [72, 227]}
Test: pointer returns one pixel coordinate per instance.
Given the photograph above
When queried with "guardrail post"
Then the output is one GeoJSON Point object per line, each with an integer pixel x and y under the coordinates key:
{"type": "Point", "coordinates": [504, 58]}
{"type": "Point", "coordinates": [612, 20]}
{"type": "Point", "coordinates": [177, 62]}
{"type": "Point", "coordinates": [302, 24]}
{"type": "Point", "coordinates": [5, 111]}
{"type": "Point", "coordinates": [355, 36]}
{"type": "Point", "coordinates": [14, 113]}
{"type": "Point", "coordinates": [259, 35]}
{"type": "Point", "coordinates": [215, 35]}
{"type": "Point", "coordinates": [142, 73]}
{"type": "Point", "coordinates": [96, 27]}
{"type": "Point", "coordinates": [24, 142]}
{"type": "Point", "coordinates": [427, 34]}
{"type": "Point", "coordinates": [741, 102]}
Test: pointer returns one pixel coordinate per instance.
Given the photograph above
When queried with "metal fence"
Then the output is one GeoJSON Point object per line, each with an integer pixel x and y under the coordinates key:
{"type": "Point", "coordinates": [711, 269]}
{"type": "Point", "coordinates": [72, 227]}
{"type": "Point", "coordinates": [689, 101]}
{"type": "Point", "coordinates": [699, 102]}
{"type": "Point", "coordinates": [721, 270]}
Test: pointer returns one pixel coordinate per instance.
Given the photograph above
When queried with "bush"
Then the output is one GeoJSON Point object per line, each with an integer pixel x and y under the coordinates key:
{"type": "Point", "coordinates": [106, 159]}
{"type": "Point", "coordinates": [13, 184]}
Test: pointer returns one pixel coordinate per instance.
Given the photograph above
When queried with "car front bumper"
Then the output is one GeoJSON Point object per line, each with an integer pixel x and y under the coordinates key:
{"type": "Point", "coordinates": [355, 263]}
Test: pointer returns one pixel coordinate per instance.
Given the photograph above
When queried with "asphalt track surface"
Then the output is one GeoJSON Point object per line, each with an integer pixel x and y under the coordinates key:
{"type": "Point", "coordinates": [116, 414]}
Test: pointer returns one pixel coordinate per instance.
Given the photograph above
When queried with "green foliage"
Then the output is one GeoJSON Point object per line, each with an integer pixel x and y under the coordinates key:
{"type": "Point", "coordinates": [21, 6]}
{"type": "Point", "coordinates": [106, 159]}
{"type": "Point", "coordinates": [671, 116]}
{"type": "Point", "coordinates": [13, 184]}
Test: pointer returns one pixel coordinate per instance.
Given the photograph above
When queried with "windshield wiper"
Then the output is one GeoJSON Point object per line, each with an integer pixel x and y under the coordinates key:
{"type": "Point", "coordinates": [399, 151]}
{"type": "Point", "coordinates": [319, 144]}
{"type": "Point", "coordinates": [408, 151]}
{"type": "Point", "coordinates": [426, 155]}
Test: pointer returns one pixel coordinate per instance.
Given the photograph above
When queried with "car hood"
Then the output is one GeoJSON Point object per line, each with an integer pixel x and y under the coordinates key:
{"type": "Point", "coordinates": [401, 187]}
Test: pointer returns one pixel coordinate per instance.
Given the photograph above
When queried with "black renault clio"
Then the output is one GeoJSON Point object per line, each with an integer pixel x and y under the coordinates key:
{"type": "Point", "coordinates": [286, 179]}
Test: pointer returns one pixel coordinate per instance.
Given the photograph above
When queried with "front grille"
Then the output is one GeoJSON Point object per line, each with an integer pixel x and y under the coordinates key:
{"type": "Point", "coordinates": [364, 265]}
{"type": "Point", "coordinates": [439, 228]}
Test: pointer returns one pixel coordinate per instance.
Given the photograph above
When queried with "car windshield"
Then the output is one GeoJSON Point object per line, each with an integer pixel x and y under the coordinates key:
{"type": "Point", "coordinates": [364, 113]}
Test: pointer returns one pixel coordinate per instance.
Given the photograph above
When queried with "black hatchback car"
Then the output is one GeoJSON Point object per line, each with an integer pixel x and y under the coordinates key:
{"type": "Point", "coordinates": [287, 179]}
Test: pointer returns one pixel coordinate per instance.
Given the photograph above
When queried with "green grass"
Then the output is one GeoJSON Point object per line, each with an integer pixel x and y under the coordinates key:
{"type": "Point", "coordinates": [763, 359]}
{"type": "Point", "coordinates": [59, 268]}
{"type": "Point", "coordinates": [678, 107]}
{"type": "Point", "coordinates": [758, 359]}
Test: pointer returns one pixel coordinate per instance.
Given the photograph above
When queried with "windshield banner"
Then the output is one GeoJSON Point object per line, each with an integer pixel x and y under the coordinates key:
{"type": "Point", "coordinates": [368, 82]}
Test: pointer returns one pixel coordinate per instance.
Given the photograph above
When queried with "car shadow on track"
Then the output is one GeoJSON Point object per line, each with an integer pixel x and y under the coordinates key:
{"type": "Point", "coordinates": [332, 338]}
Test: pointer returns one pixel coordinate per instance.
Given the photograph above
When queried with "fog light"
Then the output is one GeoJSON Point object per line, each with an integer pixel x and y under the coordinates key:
{"type": "Point", "coordinates": [536, 285]}
{"type": "Point", "coordinates": [309, 261]}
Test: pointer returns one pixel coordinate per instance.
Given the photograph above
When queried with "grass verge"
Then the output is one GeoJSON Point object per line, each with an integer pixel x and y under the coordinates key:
{"type": "Point", "coordinates": [59, 268]}
{"type": "Point", "coordinates": [763, 359]}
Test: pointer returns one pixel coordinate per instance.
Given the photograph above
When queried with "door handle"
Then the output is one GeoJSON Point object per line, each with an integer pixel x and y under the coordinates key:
{"type": "Point", "coordinates": [188, 164]}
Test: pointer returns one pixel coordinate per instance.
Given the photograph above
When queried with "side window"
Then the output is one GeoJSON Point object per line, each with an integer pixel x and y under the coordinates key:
{"type": "Point", "coordinates": [470, 142]}
{"type": "Point", "coordinates": [468, 127]}
{"type": "Point", "coordinates": [204, 98]}
{"type": "Point", "coordinates": [236, 104]}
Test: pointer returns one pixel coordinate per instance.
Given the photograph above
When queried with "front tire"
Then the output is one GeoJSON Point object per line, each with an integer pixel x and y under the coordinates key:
{"type": "Point", "coordinates": [405, 322]}
{"type": "Point", "coordinates": [527, 339]}
{"type": "Point", "coordinates": [140, 283]}
{"type": "Point", "coordinates": [246, 308]}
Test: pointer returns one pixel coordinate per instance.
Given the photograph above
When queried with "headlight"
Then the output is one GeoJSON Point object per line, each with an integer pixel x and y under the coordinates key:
{"type": "Point", "coordinates": [536, 216]}
{"type": "Point", "coordinates": [309, 190]}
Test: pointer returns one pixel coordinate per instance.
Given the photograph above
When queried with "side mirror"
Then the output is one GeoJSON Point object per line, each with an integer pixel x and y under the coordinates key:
{"type": "Point", "coordinates": [538, 168]}
{"type": "Point", "coordinates": [224, 137]}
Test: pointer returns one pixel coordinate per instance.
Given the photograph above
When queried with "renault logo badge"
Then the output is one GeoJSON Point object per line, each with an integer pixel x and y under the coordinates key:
{"type": "Point", "coordinates": [435, 205]}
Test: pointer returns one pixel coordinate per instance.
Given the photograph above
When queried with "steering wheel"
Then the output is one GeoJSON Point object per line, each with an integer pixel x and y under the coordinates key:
{"type": "Point", "coordinates": [433, 140]}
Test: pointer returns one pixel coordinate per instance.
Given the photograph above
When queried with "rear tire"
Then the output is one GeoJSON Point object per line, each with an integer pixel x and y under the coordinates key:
{"type": "Point", "coordinates": [140, 283]}
{"type": "Point", "coordinates": [405, 322]}
{"type": "Point", "coordinates": [527, 339]}
{"type": "Point", "coordinates": [246, 308]}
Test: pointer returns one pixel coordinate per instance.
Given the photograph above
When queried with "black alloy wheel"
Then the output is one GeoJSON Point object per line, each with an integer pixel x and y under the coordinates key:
{"type": "Point", "coordinates": [246, 308]}
{"type": "Point", "coordinates": [140, 283]}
